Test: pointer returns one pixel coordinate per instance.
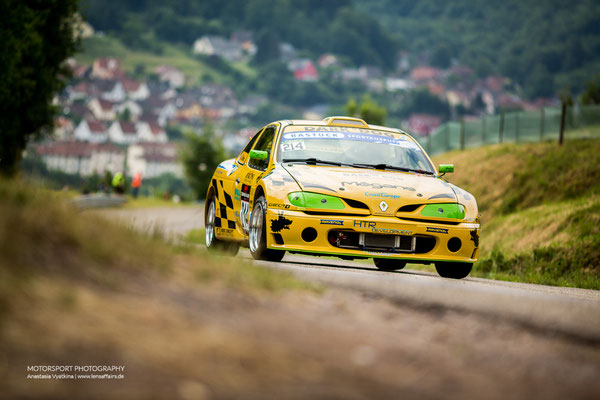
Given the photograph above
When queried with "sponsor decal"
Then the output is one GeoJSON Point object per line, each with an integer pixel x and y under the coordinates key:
{"type": "Point", "coordinates": [236, 194]}
{"type": "Point", "coordinates": [224, 232]}
{"type": "Point", "coordinates": [331, 222]}
{"type": "Point", "coordinates": [360, 135]}
{"type": "Point", "coordinates": [278, 205]}
{"type": "Point", "coordinates": [279, 224]}
{"type": "Point", "coordinates": [313, 135]}
{"type": "Point", "coordinates": [475, 237]}
{"type": "Point", "coordinates": [293, 145]}
{"type": "Point", "coordinates": [365, 224]}
{"type": "Point", "coordinates": [387, 195]}
{"type": "Point", "coordinates": [249, 176]}
{"type": "Point", "coordinates": [437, 230]}
{"type": "Point", "coordinates": [245, 207]}
{"type": "Point", "coordinates": [379, 185]}
{"type": "Point", "coordinates": [391, 231]}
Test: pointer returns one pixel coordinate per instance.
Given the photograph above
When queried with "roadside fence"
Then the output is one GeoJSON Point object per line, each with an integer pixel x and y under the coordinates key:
{"type": "Point", "coordinates": [516, 127]}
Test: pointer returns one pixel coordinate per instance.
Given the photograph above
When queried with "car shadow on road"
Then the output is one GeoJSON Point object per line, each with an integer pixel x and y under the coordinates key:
{"type": "Point", "coordinates": [355, 267]}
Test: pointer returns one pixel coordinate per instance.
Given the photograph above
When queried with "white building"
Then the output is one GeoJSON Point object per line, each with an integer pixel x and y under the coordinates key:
{"type": "Point", "coordinates": [103, 110]}
{"type": "Point", "coordinates": [91, 131]}
{"type": "Point", "coordinates": [172, 75]}
{"type": "Point", "coordinates": [218, 46]}
{"type": "Point", "coordinates": [81, 158]}
{"type": "Point", "coordinates": [154, 159]}
{"type": "Point", "coordinates": [136, 90]}
{"type": "Point", "coordinates": [135, 110]}
{"type": "Point", "coordinates": [123, 132]}
{"type": "Point", "coordinates": [151, 132]}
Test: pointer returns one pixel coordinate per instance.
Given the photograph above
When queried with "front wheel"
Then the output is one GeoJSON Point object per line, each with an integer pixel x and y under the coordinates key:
{"type": "Point", "coordinates": [389, 264]}
{"type": "Point", "coordinates": [257, 235]}
{"type": "Point", "coordinates": [212, 242]}
{"type": "Point", "coordinates": [453, 270]}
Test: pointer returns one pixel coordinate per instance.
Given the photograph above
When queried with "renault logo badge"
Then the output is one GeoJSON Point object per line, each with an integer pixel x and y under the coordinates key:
{"type": "Point", "coordinates": [383, 205]}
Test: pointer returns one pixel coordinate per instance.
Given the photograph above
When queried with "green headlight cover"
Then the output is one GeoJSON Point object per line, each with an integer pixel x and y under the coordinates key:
{"type": "Point", "coordinates": [446, 210]}
{"type": "Point", "coordinates": [315, 200]}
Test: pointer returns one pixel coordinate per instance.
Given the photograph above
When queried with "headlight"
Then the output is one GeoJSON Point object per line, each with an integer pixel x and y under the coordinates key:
{"type": "Point", "coordinates": [315, 200]}
{"type": "Point", "coordinates": [445, 210]}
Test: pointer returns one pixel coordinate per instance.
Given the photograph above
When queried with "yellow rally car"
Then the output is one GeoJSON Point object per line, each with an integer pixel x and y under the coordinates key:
{"type": "Point", "coordinates": [341, 187]}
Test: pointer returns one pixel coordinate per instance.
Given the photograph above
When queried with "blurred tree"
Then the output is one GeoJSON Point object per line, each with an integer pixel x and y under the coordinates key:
{"type": "Point", "coordinates": [441, 57]}
{"type": "Point", "coordinates": [200, 156]}
{"type": "Point", "coordinates": [368, 110]}
{"type": "Point", "coordinates": [591, 94]}
{"type": "Point", "coordinates": [37, 36]}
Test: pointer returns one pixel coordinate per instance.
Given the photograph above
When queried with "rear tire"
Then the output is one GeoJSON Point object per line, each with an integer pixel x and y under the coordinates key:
{"type": "Point", "coordinates": [453, 270]}
{"type": "Point", "coordinates": [257, 235]}
{"type": "Point", "coordinates": [389, 264]}
{"type": "Point", "coordinates": [212, 242]}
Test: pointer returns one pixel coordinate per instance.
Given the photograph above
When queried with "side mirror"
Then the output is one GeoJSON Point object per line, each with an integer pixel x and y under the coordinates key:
{"type": "Point", "coordinates": [259, 154]}
{"type": "Point", "coordinates": [446, 168]}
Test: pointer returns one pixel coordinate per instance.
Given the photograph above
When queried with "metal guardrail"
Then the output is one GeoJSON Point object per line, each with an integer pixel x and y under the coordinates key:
{"type": "Point", "coordinates": [98, 201]}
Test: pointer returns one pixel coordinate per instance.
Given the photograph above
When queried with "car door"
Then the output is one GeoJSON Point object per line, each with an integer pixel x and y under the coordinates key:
{"type": "Point", "coordinates": [249, 174]}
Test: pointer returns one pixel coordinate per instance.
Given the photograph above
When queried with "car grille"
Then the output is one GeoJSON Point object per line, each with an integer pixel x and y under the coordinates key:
{"type": "Point", "coordinates": [376, 242]}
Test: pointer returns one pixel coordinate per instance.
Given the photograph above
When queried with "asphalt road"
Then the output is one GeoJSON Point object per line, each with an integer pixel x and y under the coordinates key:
{"type": "Point", "coordinates": [569, 312]}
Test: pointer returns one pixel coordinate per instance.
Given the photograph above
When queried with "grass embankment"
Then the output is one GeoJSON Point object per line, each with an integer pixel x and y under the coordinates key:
{"type": "Point", "coordinates": [42, 236]}
{"type": "Point", "coordinates": [76, 289]}
{"type": "Point", "coordinates": [540, 208]}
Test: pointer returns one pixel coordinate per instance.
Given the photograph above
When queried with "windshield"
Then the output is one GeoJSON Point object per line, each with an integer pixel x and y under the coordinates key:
{"type": "Point", "coordinates": [353, 146]}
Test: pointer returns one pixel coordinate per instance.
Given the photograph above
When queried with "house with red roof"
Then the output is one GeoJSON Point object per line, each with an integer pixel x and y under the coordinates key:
{"type": "Point", "coordinates": [107, 68]}
{"type": "Point", "coordinates": [103, 110]}
{"type": "Point", "coordinates": [151, 131]}
{"type": "Point", "coordinates": [90, 130]}
{"type": "Point", "coordinates": [424, 74]}
{"type": "Point", "coordinates": [304, 70]}
{"type": "Point", "coordinates": [135, 90]}
{"type": "Point", "coordinates": [121, 132]}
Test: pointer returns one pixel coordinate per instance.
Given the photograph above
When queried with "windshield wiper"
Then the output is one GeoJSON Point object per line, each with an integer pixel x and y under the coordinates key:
{"type": "Point", "coordinates": [312, 160]}
{"type": "Point", "coordinates": [394, 167]}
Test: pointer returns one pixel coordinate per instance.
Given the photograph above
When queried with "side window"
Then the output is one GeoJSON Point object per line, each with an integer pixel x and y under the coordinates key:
{"type": "Point", "coordinates": [244, 154]}
{"type": "Point", "coordinates": [264, 143]}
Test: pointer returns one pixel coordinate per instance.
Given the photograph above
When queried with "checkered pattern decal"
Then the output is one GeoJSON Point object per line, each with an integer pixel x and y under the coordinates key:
{"type": "Point", "coordinates": [225, 216]}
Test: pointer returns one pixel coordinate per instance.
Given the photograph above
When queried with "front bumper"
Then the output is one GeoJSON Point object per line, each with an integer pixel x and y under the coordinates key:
{"type": "Point", "coordinates": [290, 230]}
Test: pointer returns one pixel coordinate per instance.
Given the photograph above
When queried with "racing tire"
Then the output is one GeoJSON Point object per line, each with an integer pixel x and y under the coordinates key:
{"type": "Point", "coordinates": [212, 242]}
{"type": "Point", "coordinates": [257, 235]}
{"type": "Point", "coordinates": [389, 264]}
{"type": "Point", "coordinates": [453, 270]}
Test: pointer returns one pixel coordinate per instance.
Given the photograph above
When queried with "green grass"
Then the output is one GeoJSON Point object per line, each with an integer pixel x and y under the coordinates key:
{"type": "Point", "coordinates": [540, 206]}
{"type": "Point", "coordinates": [195, 236]}
{"type": "Point", "coordinates": [195, 70]}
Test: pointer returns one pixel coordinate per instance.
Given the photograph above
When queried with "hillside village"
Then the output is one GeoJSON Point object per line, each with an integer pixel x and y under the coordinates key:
{"type": "Point", "coordinates": [112, 122]}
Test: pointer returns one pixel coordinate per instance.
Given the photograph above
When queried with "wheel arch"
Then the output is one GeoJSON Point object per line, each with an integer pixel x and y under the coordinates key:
{"type": "Point", "coordinates": [209, 196]}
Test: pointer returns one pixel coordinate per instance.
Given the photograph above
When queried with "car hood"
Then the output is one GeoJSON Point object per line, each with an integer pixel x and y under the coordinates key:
{"type": "Point", "coordinates": [373, 186]}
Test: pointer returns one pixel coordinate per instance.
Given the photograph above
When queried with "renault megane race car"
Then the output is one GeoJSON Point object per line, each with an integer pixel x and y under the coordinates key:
{"type": "Point", "coordinates": [341, 187]}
